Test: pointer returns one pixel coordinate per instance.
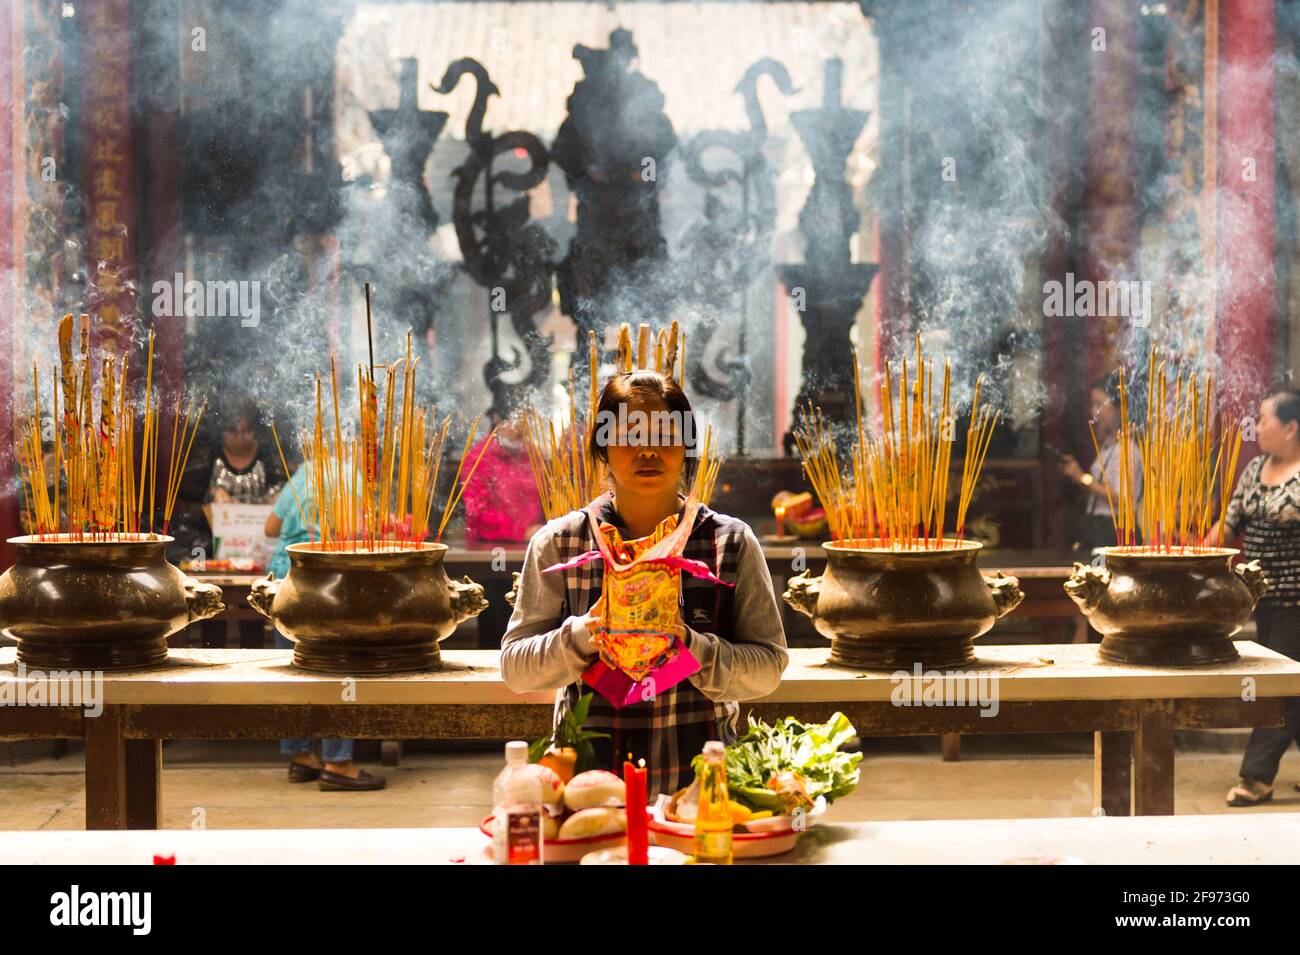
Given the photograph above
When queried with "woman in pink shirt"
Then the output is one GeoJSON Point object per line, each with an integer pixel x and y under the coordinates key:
{"type": "Point", "coordinates": [501, 506]}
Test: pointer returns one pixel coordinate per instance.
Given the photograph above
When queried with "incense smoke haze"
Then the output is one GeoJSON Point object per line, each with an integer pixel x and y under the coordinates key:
{"type": "Point", "coordinates": [980, 171]}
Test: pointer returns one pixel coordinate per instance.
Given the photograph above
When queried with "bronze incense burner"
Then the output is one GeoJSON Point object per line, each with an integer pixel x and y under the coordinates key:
{"type": "Point", "coordinates": [367, 611]}
{"type": "Point", "coordinates": [98, 605]}
{"type": "Point", "coordinates": [889, 609]}
{"type": "Point", "coordinates": [1167, 609]}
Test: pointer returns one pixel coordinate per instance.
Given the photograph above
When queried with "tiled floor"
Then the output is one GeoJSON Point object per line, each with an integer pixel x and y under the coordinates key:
{"type": "Point", "coordinates": [242, 785]}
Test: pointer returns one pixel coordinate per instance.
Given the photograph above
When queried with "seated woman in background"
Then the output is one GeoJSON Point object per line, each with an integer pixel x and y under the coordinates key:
{"type": "Point", "coordinates": [1265, 507]}
{"type": "Point", "coordinates": [244, 470]}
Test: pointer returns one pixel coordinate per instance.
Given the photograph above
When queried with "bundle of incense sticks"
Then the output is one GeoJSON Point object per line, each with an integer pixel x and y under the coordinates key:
{"type": "Point", "coordinates": [98, 490]}
{"type": "Point", "coordinates": [895, 491]}
{"type": "Point", "coordinates": [1175, 453]}
{"type": "Point", "coordinates": [567, 477]}
{"type": "Point", "coordinates": [374, 489]}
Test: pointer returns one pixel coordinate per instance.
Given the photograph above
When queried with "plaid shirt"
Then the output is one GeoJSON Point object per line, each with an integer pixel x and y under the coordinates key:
{"type": "Point", "coordinates": [670, 729]}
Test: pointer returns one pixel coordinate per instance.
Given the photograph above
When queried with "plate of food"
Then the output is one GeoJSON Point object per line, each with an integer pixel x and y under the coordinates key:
{"type": "Point", "coordinates": [779, 780]}
{"type": "Point", "coordinates": [586, 814]}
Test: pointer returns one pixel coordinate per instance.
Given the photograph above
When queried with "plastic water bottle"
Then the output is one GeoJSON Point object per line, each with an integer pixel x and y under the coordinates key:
{"type": "Point", "coordinates": [517, 810]}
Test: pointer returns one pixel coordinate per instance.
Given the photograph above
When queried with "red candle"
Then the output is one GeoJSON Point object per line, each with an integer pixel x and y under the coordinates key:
{"type": "Point", "coordinates": [638, 831]}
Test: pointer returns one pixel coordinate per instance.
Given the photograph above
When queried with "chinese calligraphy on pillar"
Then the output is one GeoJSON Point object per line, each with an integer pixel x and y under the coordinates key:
{"type": "Point", "coordinates": [108, 172]}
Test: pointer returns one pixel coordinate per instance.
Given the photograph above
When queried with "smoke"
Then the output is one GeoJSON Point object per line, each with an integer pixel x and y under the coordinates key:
{"type": "Point", "coordinates": [277, 120]}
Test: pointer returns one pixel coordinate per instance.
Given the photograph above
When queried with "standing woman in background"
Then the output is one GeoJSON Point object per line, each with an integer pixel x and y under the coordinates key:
{"type": "Point", "coordinates": [1266, 508]}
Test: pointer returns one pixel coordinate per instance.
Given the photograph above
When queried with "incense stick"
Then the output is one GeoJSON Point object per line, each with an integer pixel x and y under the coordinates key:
{"type": "Point", "coordinates": [95, 454]}
{"type": "Point", "coordinates": [895, 492]}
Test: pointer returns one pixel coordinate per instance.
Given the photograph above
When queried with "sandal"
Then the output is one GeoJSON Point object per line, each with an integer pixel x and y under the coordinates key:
{"type": "Point", "coordinates": [1250, 792]}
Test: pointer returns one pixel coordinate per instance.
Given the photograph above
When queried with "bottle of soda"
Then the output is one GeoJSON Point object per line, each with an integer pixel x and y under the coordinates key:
{"type": "Point", "coordinates": [713, 820]}
{"type": "Point", "coordinates": [517, 810]}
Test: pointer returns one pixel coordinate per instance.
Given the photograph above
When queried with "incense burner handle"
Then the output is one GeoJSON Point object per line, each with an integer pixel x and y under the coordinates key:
{"type": "Point", "coordinates": [466, 598]}
{"type": "Point", "coordinates": [202, 600]}
{"type": "Point", "coordinates": [1087, 585]}
{"type": "Point", "coordinates": [1252, 575]}
{"type": "Point", "coordinates": [513, 592]}
{"type": "Point", "coordinates": [802, 593]}
{"type": "Point", "coordinates": [1006, 592]}
{"type": "Point", "coordinates": [262, 594]}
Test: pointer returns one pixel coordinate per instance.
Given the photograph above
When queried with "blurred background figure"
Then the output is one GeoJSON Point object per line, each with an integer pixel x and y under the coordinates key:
{"type": "Point", "coordinates": [333, 770]}
{"type": "Point", "coordinates": [1097, 528]}
{"type": "Point", "coordinates": [501, 507]}
{"type": "Point", "coordinates": [243, 467]}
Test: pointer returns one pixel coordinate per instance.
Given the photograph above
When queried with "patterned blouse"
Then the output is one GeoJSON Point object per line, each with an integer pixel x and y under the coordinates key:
{"type": "Point", "coordinates": [256, 484]}
{"type": "Point", "coordinates": [1269, 515]}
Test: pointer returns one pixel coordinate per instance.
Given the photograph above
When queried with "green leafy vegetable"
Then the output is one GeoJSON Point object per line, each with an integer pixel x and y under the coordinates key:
{"type": "Point", "coordinates": [810, 750]}
{"type": "Point", "coordinates": [570, 733]}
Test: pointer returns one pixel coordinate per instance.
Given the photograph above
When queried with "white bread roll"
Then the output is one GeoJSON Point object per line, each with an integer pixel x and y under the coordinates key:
{"type": "Point", "coordinates": [586, 823]}
{"type": "Point", "coordinates": [595, 787]}
{"type": "Point", "coordinates": [550, 827]}
{"type": "Point", "coordinates": [552, 785]}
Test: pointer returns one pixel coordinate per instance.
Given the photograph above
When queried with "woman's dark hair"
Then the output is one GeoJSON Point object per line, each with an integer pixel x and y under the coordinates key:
{"type": "Point", "coordinates": [1109, 386]}
{"type": "Point", "coordinates": [648, 386]}
{"type": "Point", "coordinates": [1286, 403]}
{"type": "Point", "coordinates": [237, 408]}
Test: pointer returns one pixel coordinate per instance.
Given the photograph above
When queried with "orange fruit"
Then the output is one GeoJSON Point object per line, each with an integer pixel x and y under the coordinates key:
{"type": "Point", "coordinates": [562, 760]}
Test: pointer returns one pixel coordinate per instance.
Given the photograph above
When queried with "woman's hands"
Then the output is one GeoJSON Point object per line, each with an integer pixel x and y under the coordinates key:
{"type": "Point", "coordinates": [595, 618]}
{"type": "Point", "coordinates": [594, 623]}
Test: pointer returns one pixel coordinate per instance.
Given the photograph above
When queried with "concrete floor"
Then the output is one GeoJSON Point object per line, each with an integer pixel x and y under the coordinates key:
{"type": "Point", "coordinates": [242, 785]}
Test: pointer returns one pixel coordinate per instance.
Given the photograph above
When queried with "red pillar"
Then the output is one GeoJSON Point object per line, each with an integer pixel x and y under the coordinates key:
{"type": "Point", "coordinates": [1112, 206]}
{"type": "Point", "coordinates": [11, 179]}
{"type": "Point", "coordinates": [1246, 195]}
{"type": "Point", "coordinates": [156, 72]}
{"type": "Point", "coordinates": [109, 180]}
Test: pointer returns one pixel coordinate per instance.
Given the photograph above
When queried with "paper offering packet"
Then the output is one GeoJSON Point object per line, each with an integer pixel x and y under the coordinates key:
{"type": "Point", "coordinates": [641, 605]}
{"type": "Point", "coordinates": [640, 642]}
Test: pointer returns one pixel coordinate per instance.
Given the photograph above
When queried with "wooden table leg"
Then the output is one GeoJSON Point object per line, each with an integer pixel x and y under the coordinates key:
{"type": "Point", "coordinates": [1112, 772]}
{"type": "Point", "coordinates": [105, 770]}
{"type": "Point", "coordinates": [143, 783]}
{"type": "Point", "coordinates": [1153, 759]}
{"type": "Point", "coordinates": [951, 747]}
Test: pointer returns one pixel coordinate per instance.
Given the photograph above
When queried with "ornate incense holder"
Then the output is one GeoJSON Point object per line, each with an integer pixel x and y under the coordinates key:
{"type": "Point", "coordinates": [889, 609]}
{"type": "Point", "coordinates": [1167, 609]}
{"type": "Point", "coordinates": [98, 605]}
{"type": "Point", "coordinates": [367, 612]}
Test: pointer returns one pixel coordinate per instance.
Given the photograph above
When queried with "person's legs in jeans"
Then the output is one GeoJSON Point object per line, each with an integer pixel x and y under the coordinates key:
{"type": "Point", "coordinates": [336, 750]}
{"type": "Point", "coordinates": [304, 750]}
{"type": "Point", "coordinates": [1278, 629]}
